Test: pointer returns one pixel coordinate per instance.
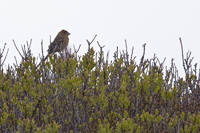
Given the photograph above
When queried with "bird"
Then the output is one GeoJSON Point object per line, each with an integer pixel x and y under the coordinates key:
{"type": "Point", "coordinates": [60, 43]}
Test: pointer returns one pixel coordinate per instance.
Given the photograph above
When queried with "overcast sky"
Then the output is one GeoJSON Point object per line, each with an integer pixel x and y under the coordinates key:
{"type": "Point", "coordinates": [158, 23]}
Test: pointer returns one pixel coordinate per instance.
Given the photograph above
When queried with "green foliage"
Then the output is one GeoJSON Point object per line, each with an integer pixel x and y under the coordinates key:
{"type": "Point", "coordinates": [91, 95]}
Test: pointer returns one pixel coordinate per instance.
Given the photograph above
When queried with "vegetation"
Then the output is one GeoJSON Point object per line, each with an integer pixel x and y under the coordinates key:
{"type": "Point", "coordinates": [89, 94]}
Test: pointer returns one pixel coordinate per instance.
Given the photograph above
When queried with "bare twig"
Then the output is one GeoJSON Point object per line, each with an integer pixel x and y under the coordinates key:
{"type": "Point", "coordinates": [5, 57]}
{"type": "Point", "coordinates": [161, 64]}
{"type": "Point", "coordinates": [127, 55]}
{"type": "Point", "coordinates": [101, 47]}
{"type": "Point", "coordinates": [92, 40]}
{"type": "Point", "coordinates": [18, 50]}
{"type": "Point", "coordinates": [89, 43]}
{"type": "Point", "coordinates": [101, 52]}
{"type": "Point", "coordinates": [42, 48]}
{"type": "Point", "coordinates": [107, 57]}
{"type": "Point", "coordinates": [43, 59]}
{"type": "Point", "coordinates": [76, 51]}
{"type": "Point", "coordinates": [30, 44]}
{"type": "Point", "coordinates": [3, 48]}
{"type": "Point", "coordinates": [132, 53]}
{"type": "Point", "coordinates": [16, 60]}
{"type": "Point", "coordinates": [1, 55]}
{"type": "Point", "coordinates": [29, 47]}
{"type": "Point", "coordinates": [23, 50]}
{"type": "Point", "coordinates": [182, 54]}
{"type": "Point", "coordinates": [142, 59]}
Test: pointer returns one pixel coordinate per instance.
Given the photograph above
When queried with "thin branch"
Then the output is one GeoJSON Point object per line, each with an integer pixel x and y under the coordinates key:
{"type": "Point", "coordinates": [142, 59]}
{"type": "Point", "coordinates": [132, 53]}
{"type": "Point", "coordinates": [3, 48]}
{"type": "Point", "coordinates": [101, 52]}
{"type": "Point", "coordinates": [101, 47]}
{"type": "Point", "coordinates": [42, 48]}
{"type": "Point", "coordinates": [43, 59]}
{"type": "Point", "coordinates": [107, 57]}
{"type": "Point", "coordinates": [18, 50]}
{"type": "Point", "coordinates": [127, 55]}
{"type": "Point", "coordinates": [89, 43]}
{"type": "Point", "coordinates": [23, 50]}
{"type": "Point", "coordinates": [76, 51]}
{"type": "Point", "coordinates": [29, 46]}
{"type": "Point", "coordinates": [182, 54]}
{"type": "Point", "coordinates": [5, 57]}
{"type": "Point", "coordinates": [16, 60]}
{"type": "Point", "coordinates": [92, 40]}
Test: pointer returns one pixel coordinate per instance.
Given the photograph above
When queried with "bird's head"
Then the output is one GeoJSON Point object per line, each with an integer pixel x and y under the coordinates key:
{"type": "Point", "coordinates": [64, 32]}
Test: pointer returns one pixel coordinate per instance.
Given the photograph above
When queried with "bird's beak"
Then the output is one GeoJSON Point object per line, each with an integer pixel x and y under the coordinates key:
{"type": "Point", "coordinates": [69, 34]}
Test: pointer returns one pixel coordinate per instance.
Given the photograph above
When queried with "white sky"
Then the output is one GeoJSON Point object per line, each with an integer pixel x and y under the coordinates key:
{"type": "Point", "coordinates": [158, 23]}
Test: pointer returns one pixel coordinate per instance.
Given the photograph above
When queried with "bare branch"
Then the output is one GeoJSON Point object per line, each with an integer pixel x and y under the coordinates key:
{"type": "Point", "coordinates": [142, 59]}
{"type": "Point", "coordinates": [132, 53]}
{"type": "Point", "coordinates": [43, 59]}
{"type": "Point", "coordinates": [92, 40]}
{"type": "Point", "coordinates": [18, 50]}
{"type": "Point", "coordinates": [76, 51]}
{"type": "Point", "coordinates": [89, 43]}
{"type": "Point", "coordinates": [5, 57]}
{"type": "Point", "coordinates": [107, 57]}
{"type": "Point", "coordinates": [101, 47]}
{"type": "Point", "coordinates": [182, 54]}
{"type": "Point", "coordinates": [127, 55]}
{"type": "Point", "coordinates": [16, 60]}
{"type": "Point", "coordinates": [3, 48]}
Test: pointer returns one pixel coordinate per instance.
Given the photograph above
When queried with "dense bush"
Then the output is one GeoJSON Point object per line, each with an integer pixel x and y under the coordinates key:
{"type": "Point", "coordinates": [89, 94]}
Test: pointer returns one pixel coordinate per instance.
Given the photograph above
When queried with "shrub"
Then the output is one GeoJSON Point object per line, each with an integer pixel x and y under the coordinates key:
{"type": "Point", "coordinates": [89, 94]}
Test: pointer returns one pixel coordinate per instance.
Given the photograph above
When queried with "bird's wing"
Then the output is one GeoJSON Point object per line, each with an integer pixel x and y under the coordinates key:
{"type": "Point", "coordinates": [58, 40]}
{"type": "Point", "coordinates": [55, 44]}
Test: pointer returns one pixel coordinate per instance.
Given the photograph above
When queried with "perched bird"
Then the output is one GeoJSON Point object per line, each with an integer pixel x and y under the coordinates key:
{"type": "Point", "coordinates": [60, 43]}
